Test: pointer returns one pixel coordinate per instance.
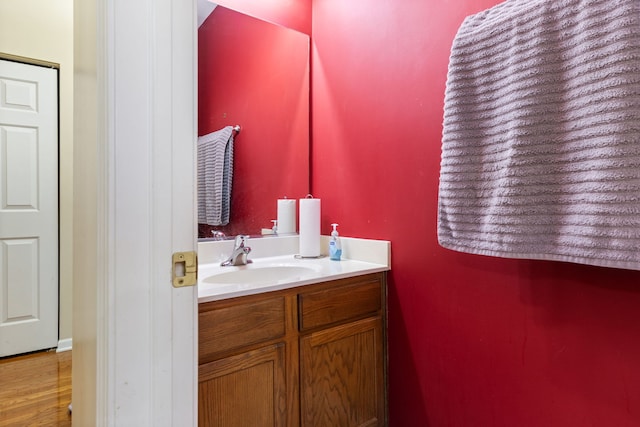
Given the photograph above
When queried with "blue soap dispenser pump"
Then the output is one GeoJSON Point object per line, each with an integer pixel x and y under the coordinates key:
{"type": "Point", "coordinates": [335, 248]}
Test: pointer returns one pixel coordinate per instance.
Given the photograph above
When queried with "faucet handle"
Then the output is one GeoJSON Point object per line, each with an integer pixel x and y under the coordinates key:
{"type": "Point", "coordinates": [240, 239]}
{"type": "Point", "coordinates": [246, 249]}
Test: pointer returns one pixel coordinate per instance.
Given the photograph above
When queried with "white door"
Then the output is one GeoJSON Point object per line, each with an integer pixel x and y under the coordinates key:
{"type": "Point", "coordinates": [134, 335]}
{"type": "Point", "coordinates": [28, 208]}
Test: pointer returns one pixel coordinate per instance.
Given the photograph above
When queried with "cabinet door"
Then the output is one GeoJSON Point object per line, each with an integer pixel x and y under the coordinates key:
{"type": "Point", "coordinates": [247, 389]}
{"type": "Point", "coordinates": [342, 376]}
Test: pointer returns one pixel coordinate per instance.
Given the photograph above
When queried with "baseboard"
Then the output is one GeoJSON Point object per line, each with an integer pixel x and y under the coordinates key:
{"type": "Point", "coordinates": [64, 345]}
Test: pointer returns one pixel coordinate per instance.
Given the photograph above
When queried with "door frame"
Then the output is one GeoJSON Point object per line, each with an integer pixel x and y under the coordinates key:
{"type": "Point", "coordinates": [134, 335]}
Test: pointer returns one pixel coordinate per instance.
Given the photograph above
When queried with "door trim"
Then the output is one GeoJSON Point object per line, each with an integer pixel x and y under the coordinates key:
{"type": "Point", "coordinates": [29, 61]}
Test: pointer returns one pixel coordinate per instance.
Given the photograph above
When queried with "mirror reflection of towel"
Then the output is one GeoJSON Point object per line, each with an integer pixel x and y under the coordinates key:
{"type": "Point", "coordinates": [215, 175]}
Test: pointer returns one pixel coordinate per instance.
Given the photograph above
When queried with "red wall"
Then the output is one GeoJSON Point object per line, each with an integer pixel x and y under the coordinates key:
{"type": "Point", "coordinates": [473, 341]}
{"type": "Point", "coordinates": [295, 14]}
{"type": "Point", "coordinates": [256, 74]}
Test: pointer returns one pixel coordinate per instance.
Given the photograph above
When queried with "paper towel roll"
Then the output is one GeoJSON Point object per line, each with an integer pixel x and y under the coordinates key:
{"type": "Point", "coordinates": [310, 227]}
{"type": "Point", "coordinates": [286, 216]}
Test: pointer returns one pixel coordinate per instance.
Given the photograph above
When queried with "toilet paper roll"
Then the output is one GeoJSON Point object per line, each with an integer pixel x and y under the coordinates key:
{"type": "Point", "coordinates": [309, 228]}
{"type": "Point", "coordinates": [286, 216]}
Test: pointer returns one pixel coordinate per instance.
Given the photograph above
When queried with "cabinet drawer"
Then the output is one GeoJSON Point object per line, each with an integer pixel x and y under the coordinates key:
{"type": "Point", "coordinates": [228, 328]}
{"type": "Point", "coordinates": [340, 303]}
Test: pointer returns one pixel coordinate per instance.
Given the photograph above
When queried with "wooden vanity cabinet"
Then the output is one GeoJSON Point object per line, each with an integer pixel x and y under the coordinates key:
{"type": "Point", "coordinates": [310, 356]}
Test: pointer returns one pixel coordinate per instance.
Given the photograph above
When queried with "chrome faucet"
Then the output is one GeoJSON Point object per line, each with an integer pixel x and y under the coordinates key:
{"type": "Point", "coordinates": [239, 254]}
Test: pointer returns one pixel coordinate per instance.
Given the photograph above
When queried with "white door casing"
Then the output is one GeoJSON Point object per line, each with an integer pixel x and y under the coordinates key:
{"type": "Point", "coordinates": [28, 208]}
{"type": "Point", "coordinates": [135, 337]}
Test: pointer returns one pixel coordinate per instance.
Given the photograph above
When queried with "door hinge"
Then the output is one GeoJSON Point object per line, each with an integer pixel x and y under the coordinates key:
{"type": "Point", "coordinates": [185, 269]}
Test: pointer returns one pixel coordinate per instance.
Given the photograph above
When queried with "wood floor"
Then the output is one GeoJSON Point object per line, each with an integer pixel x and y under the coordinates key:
{"type": "Point", "coordinates": [35, 390]}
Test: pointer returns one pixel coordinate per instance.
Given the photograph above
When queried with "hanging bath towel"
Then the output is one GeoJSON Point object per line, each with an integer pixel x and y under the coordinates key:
{"type": "Point", "coordinates": [541, 136]}
{"type": "Point", "coordinates": [215, 175]}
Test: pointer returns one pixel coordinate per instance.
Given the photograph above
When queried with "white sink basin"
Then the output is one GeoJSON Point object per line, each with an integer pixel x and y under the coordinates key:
{"type": "Point", "coordinates": [265, 274]}
{"type": "Point", "coordinates": [274, 273]}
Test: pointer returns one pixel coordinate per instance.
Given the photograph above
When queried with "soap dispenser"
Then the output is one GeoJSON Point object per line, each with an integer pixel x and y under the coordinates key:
{"type": "Point", "coordinates": [335, 248]}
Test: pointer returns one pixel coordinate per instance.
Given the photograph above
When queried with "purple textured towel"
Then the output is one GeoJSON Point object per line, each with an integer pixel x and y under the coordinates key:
{"type": "Point", "coordinates": [541, 137]}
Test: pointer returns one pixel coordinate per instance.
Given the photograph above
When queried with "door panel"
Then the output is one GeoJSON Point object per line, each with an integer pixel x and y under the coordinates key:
{"type": "Point", "coordinates": [20, 260]}
{"type": "Point", "coordinates": [21, 175]}
{"type": "Point", "coordinates": [28, 208]}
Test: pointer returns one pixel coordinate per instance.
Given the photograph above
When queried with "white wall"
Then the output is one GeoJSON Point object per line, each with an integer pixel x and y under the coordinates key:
{"type": "Point", "coordinates": [43, 30]}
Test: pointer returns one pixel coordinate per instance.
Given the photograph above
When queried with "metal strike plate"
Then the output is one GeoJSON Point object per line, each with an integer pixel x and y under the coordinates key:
{"type": "Point", "coordinates": [185, 269]}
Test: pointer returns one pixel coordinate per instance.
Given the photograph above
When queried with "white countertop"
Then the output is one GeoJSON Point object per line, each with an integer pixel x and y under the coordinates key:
{"type": "Point", "coordinates": [365, 257]}
{"type": "Point", "coordinates": [321, 270]}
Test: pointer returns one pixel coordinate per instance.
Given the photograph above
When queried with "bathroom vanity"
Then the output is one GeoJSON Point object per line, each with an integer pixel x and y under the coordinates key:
{"type": "Point", "coordinates": [307, 352]}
